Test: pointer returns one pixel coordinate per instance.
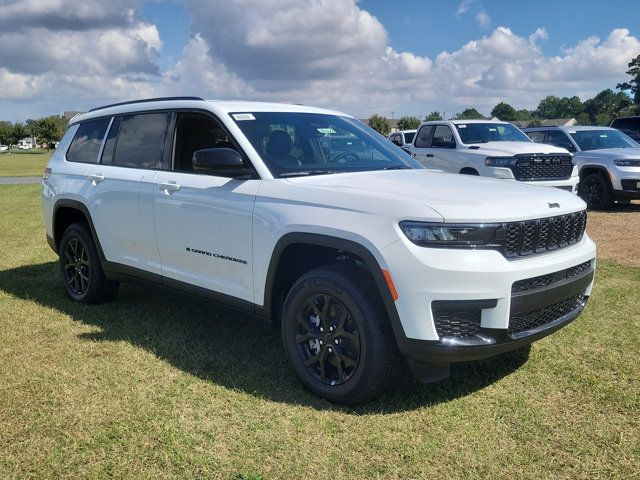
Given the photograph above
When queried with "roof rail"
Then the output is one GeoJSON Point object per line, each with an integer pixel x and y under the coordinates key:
{"type": "Point", "coordinates": [145, 100]}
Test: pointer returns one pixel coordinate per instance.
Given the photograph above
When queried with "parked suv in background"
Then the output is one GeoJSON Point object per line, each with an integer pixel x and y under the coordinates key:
{"type": "Point", "coordinates": [403, 139]}
{"type": "Point", "coordinates": [356, 251]}
{"type": "Point", "coordinates": [608, 161]}
{"type": "Point", "coordinates": [492, 149]}
{"type": "Point", "coordinates": [629, 126]}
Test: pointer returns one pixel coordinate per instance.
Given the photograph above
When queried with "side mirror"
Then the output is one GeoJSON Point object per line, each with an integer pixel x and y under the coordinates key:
{"type": "Point", "coordinates": [216, 160]}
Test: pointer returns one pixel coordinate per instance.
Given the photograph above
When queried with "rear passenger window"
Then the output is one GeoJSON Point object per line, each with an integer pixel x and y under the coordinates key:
{"type": "Point", "coordinates": [423, 135]}
{"type": "Point", "coordinates": [110, 143]}
{"type": "Point", "coordinates": [537, 137]}
{"type": "Point", "coordinates": [140, 141]}
{"type": "Point", "coordinates": [86, 144]}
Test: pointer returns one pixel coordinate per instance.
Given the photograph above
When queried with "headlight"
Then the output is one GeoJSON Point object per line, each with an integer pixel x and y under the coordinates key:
{"type": "Point", "coordinates": [627, 163]}
{"type": "Point", "coordinates": [499, 161]}
{"type": "Point", "coordinates": [453, 235]}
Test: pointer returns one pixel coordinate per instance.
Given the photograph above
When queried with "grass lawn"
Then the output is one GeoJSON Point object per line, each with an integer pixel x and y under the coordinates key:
{"type": "Point", "coordinates": [160, 385]}
{"type": "Point", "coordinates": [23, 163]}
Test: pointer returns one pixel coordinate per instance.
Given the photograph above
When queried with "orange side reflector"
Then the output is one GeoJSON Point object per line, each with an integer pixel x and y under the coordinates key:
{"type": "Point", "coordinates": [392, 287]}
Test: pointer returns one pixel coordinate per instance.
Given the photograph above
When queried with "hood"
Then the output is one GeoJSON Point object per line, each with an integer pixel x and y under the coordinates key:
{"type": "Point", "coordinates": [608, 153]}
{"type": "Point", "coordinates": [456, 198]}
{"type": "Point", "coordinates": [508, 149]}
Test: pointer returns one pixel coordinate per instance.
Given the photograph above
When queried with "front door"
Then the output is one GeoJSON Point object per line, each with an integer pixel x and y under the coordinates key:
{"type": "Point", "coordinates": [204, 222]}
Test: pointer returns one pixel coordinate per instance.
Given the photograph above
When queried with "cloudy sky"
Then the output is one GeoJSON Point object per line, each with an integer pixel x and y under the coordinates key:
{"type": "Point", "coordinates": [404, 57]}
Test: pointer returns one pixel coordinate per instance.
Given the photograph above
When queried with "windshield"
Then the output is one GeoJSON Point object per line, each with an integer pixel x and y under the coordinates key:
{"type": "Point", "coordinates": [490, 132]}
{"type": "Point", "coordinates": [599, 139]}
{"type": "Point", "coordinates": [294, 144]}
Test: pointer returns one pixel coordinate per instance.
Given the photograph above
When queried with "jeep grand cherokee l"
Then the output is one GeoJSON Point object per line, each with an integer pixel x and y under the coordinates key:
{"type": "Point", "coordinates": [310, 218]}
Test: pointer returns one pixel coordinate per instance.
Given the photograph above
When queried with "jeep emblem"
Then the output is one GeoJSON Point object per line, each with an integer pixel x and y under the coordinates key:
{"type": "Point", "coordinates": [554, 205]}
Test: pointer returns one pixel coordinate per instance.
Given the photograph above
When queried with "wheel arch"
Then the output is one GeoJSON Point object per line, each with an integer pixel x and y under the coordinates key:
{"type": "Point", "coordinates": [66, 212]}
{"type": "Point", "coordinates": [279, 276]}
{"type": "Point", "coordinates": [469, 171]}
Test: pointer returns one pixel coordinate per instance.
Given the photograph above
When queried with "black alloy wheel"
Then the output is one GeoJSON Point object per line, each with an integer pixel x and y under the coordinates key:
{"type": "Point", "coordinates": [595, 191]}
{"type": "Point", "coordinates": [328, 341]}
{"type": "Point", "coordinates": [76, 268]}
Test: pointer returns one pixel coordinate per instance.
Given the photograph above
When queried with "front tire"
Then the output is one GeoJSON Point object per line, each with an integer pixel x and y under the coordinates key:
{"type": "Point", "coordinates": [595, 190]}
{"type": "Point", "coordinates": [81, 272]}
{"type": "Point", "coordinates": [337, 335]}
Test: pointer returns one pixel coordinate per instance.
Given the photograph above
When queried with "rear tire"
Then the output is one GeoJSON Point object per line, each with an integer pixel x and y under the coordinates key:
{"type": "Point", "coordinates": [337, 335]}
{"type": "Point", "coordinates": [81, 272]}
{"type": "Point", "coordinates": [596, 191]}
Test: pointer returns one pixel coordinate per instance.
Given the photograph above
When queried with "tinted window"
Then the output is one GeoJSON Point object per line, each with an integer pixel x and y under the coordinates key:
{"type": "Point", "coordinates": [140, 141]}
{"type": "Point", "coordinates": [196, 132]}
{"type": "Point", "coordinates": [629, 126]}
{"type": "Point", "coordinates": [423, 136]}
{"type": "Point", "coordinates": [442, 136]}
{"type": "Point", "coordinates": [537, 137]}
{"type": "Point", "coordinates": [86, 144]}
{"type": "Point", "coordinates": [408, 137]}
{"type": "Point", "coordinates": [599, 139]}
{"type": "Point", "coordinates": [490, 132]}
{"type": "Point", "coordinates": [293, 144]}
{"type": "Point", "coordinates": [559, 139]}
{"type": "Point", "coordinates": [110, 143]}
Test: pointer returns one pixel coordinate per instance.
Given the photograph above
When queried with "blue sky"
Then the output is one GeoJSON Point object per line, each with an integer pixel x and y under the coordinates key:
{"type": "Point", "coordinates": [368, 56]}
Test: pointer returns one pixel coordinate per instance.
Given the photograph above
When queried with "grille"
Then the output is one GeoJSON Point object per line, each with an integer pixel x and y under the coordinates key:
{"type": "Point", "coordinates": [545, 280]}
{"type": "Point", "coordinates": [544, 234]}
{"type": "Point", "coordinates": [538, 318]}
{"type": "Point", "coordinates": [457, 323]}
{"type": "Point", "coordinates": [531, 168]}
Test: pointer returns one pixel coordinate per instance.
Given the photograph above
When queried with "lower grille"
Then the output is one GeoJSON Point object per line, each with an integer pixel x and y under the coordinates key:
{"type": "Point", "coordinates": [542, 281]}
{"type": "Point", "coordinates": [568, 188]}
{"type": "Point", "coordinates": [456, 323]}
{"type": "Point", "coordinates": [526, 321]}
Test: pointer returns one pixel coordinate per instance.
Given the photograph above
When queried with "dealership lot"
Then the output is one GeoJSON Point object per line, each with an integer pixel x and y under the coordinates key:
{"type": "Point", "coordinates": [162, 385]}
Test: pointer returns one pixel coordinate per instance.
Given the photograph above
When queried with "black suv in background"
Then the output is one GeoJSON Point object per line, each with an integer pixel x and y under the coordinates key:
{"type": "Point", "coordinates": [629, 126]}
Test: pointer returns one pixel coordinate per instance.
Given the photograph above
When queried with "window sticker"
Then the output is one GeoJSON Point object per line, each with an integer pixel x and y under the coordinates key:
{"type": "Point", "coordinates": [243, 116]}
{"type": "Point", "coordinates": [326, 131]}
{"type": "Point", "coordinates": [462, 126]}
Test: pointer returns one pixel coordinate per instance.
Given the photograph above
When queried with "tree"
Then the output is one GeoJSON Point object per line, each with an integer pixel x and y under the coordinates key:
{"type": "Point", "coordinates": [606, 106]}
{"type": "Point", "coordinates": [469, 114]}
{"type": "Point", "coordinates": [524, 115]}
{"type": "Point", "coordinates": [5, 132]}
{"type": "Point", "coordinates": [504, 112]}
{"type": "Point", "coordinates": [433, 116]}
{"type": "Point", "coordinates": [49, 130]}
{"type": "Point", "coordinates": [408, 123]}
{"type": "Point", "coordinates": [18, 132]}
{"type": "Point", "coordinates": [556, 107]}
{"type": "Point", "coordinates": [632, 85]}
{"type": "Point", "coordinates": [380, 124]}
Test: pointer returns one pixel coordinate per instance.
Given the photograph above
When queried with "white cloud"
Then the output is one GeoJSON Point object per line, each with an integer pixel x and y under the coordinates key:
{"type": "Point", "coordinates": [317, 52]}
{"type": "Point", "coordinates": [483, 19]}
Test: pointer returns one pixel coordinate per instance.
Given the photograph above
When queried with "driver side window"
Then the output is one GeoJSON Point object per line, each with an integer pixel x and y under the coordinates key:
{"type": "Point", "coordinates": [442, 137]}
{"type": "Point", "coordinates": [196, 131]}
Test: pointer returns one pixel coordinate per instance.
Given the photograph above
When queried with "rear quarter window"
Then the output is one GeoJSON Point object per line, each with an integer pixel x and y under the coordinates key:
{"type": "Point", "coordinates": [86, 143]}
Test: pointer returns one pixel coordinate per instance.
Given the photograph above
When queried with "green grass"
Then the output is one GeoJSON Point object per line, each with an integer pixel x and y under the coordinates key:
{"type": "Point", "coordinates": [160, 385]}
{"type": "Point", "coordinates": [23, 163]}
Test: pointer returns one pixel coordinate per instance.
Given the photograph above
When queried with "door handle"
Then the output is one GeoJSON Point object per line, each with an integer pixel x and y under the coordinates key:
{"type": "Point", "coordinates": [170, 187]}
{"type": "Point", "coordinates": [96, 178]}
{"type": "Point", "coordinates": [428, 155]}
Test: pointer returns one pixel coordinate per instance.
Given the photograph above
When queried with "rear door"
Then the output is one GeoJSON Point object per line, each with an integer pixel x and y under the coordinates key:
{"type": "Point", "coordinates": [204, 222]}
{"type": "Point", "coordinates": [121, 190]}
{"type": "Point", "coordinates": [421, 146]}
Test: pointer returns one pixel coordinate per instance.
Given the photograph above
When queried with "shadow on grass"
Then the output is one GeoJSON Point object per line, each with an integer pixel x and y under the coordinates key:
{"type": "Point", "coordinates": [226, 347]}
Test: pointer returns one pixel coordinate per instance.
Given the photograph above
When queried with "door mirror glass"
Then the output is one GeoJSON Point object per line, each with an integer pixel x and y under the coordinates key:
{"type": "Point", "coordinates": [216, 160]}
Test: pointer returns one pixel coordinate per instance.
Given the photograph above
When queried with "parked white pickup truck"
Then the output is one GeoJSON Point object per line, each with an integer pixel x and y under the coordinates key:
{"type": "Point", "coordinates": [493, 149]}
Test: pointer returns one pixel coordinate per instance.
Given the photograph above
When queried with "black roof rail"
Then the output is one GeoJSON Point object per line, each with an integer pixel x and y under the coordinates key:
{"type": "Point", "coordinates": [145, 100]}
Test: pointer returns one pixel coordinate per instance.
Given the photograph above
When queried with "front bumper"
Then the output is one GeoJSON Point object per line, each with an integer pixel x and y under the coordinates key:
{"type": "Point", "coordinates": [484, 282]}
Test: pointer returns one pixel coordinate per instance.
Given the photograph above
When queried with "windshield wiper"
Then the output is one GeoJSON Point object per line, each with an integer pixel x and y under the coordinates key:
{"type": "Point", "coordinates": [395, 167]}
{"type": "Point", "coordinates": [304, 173]}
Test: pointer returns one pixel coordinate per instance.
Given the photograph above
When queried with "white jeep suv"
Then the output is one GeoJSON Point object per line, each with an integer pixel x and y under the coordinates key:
{"type": "Point", "coordinates": [310, 218]}
{"type": "Point", "coordinates": [492, 149]}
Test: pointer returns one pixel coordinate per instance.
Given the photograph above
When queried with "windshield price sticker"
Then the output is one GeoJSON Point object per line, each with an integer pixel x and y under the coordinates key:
{"type": "Point", "coordinates": [243, 116]}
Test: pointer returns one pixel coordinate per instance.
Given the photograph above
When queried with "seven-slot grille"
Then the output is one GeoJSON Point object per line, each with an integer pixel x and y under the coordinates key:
{"type": "Point", "coordinates": [543, 234]}
{"type": "Point", "coordinates": [542, 167]}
